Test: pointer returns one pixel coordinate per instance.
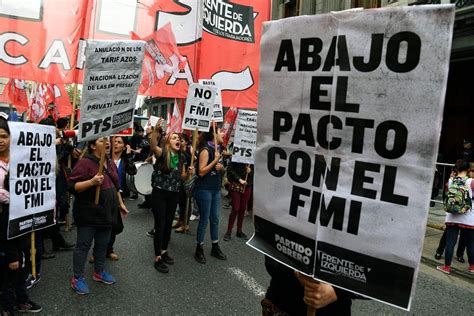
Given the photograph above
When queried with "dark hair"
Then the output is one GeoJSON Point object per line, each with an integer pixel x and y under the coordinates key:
{"type": "Point", "coordinates": [62, 122]}
{"type": "Point", "coordinates": [124, 139]}
{"type": "Point", "coordinates": [89, 145]}
{"type": "Point", "coordinates": [4, 126]}
{"type": "Point", "coordinates": [184, 137]}
{"type": "Point", "coordinates": [462, 165]}
{"type": "Point", "coordinates": [48, 121]}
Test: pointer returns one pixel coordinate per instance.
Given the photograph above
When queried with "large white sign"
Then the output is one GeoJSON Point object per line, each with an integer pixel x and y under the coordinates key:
{"type": "Point", "coordinates": [199, 107]}
{"type": "Point", "coordinates": [111, 81]}
{"type": "Point", "coordinates": [344, 141]}
{"type": "Point", "coordinates": [245, 138]}
{"type": "Point", "coordinates": [217, 112]}
{"type": "Point", "coordinates": [32, 177]}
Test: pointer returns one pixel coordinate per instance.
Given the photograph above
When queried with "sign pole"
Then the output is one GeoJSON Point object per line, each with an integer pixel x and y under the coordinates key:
{"type": "Point", "coordinates": [188, 198]}
{"type": "Point", "coordinates": [101, 168]}
{"type": "Point", "coordinates": [33, 255]}
{"type": "Point", "coordinates": [69, 161]}
{"type": "Point", "coordinates": [311, 311]}
{"type": "Point", "coordinates": [215, 136]}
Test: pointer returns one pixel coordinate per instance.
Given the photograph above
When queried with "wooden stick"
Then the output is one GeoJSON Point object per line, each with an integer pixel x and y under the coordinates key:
{"type": "Point", "coordinates": [311, 311]}
{"type": "Point", "coordinates": [215, 135]}
{"type": "Point", "coordinates": [69, 161]}
{"type": "Point", "coordinates": [101, 168]}
{"type": "Point", "coordinates": [72, 118]}
{"type": "Point", "coordinates": [193, 152]}
{"type": "Point", "coordinates": [33, 255]}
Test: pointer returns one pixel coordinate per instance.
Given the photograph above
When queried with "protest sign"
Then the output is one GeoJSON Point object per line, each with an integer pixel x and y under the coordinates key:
{"type": "Point", "coordinates": [199, 107]}
{"type": "Point", "coordinates": [111, 80]}
{"type": "Point", "coordinates": [217, 113]}
{"type": "Point", "coordinates": [32, 178]}
{"type": "Point", "coordinates": [152, 121]}
{"type": "Point", "coordinates": [245, 138]}
{"type": "Point", "coordinates": [343, 139]}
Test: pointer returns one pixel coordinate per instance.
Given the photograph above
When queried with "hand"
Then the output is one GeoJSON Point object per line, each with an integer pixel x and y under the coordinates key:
{"type": "Point", "coordinates": [128, 149]}
{"type": "Point", "coordinates": [97, 180]}
{"type": "Point", "coordinates": [219, 166]}
{"type": "Point", "coordinates": [123, 211]}
{"type": "Point", "coordinates": [59, 141]}
{"type": "Point", "coordinates": [316, 294]}
{"type": "Point", "coordinates": [191, 170]}
{"type": "Point", "coordinates": [14, 265]}
{"type": "Point", "coordinates": [217, 156]}
{"type": "Point", "coordinates": [248, 170]}
{"type": "Point", "coordinates": [242, 182]}
{"type": "Point", "coordinates": [149, 159]}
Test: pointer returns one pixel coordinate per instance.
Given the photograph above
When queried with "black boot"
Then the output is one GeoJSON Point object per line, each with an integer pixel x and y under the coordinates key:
{"type": "Point", "coordinates": [217, 252]}
{"type": "Point", "coordinates": [199, 255]}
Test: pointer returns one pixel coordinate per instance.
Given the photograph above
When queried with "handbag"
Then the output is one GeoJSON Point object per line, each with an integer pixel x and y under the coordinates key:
{"type": "Point", "coordinates": [237, 187]}
{"type": "Point", "coordinates": [189, 184]}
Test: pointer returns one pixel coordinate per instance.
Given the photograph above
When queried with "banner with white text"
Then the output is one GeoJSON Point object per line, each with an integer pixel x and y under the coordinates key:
{"type": "Point", "coordinates": [245, 139]}
{"type": "Point", "coordinates": [217, 113]}
{"type": "Point", "coordinates": [344, 141]}
{"type": "Point", "coordinates": [199, 108]}
{"type": "Point", "coordinates": [32, 178]}
{"type": "Point", "coordinates": [111, 80]}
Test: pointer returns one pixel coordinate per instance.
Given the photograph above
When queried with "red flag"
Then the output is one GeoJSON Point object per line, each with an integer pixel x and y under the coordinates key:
{"type": "Point", "coordinates": [62, 101]}
{"type": "Point", "coordinates": [15, 93]}
{"type": "Point", "coordinates": [41, 96]}
{"type": "Point", "coordinates": [162, 58]}
{"type": "Point", "coordinates": [48, 99]}
{"type": "Point", "coordinates": [229, 121]}
{"type": "Point", "coordinates": [176, 121]}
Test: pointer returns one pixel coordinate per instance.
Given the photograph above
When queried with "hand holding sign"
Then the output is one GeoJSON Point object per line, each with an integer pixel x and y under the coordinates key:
{"type": "Point", "coordinates": [316, 294]}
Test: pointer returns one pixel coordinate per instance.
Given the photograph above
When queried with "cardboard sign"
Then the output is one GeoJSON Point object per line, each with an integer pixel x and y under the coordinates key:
{"type": "Point", "coordinates": [199, 108]}
{"type": "Point", "coordinates": [217, 113]}
{"type": "Point", "coordinates": [32, 177]}
{"type": "Point", "coordinates": [111, 80]}
{"type": "Point", "coordinates": [245, 138]}
{"type": "Point", "coordinates": [344, 142]}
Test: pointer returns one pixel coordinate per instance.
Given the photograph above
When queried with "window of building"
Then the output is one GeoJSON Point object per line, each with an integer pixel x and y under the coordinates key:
{"type": "Point", "coordinates": [366, 4]}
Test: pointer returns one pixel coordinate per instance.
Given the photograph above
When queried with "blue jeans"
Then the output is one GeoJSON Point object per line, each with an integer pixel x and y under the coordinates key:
{"type": "Point", "coordinates": [85, 236]}
{"type": "Point", "coordinates": [209, 203]}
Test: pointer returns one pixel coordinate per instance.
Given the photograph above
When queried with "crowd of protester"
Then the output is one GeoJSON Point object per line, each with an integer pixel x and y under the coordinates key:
{"type": "Point", "coordinates": [179, 193]}
{"type": "Point", "coordinates": [186, 182]}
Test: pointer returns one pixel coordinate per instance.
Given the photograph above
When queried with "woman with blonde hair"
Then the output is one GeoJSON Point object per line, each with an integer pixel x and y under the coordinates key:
{"type": "Point", "coordinates": [168, 172]}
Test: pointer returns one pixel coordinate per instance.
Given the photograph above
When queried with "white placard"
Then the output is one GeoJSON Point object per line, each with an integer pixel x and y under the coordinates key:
{"type": "Point", "coordinates": [245, 138]}
{"type": "Point", "coordinates": [217, 113]}
{"type": "Point", "coordinates": [152, 121]}
{"type": "Point", "coordinates": [32, 177]}
{"type": "Point", "coordinates": [345, 157]}
{"type": "Point", "coordinates": [111, 80]}
{"type": "Point", "coordinates": [199, 107]}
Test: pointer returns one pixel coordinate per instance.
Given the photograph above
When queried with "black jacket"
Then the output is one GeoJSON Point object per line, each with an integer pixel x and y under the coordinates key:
{"type": "Point", "coordinates": [286, 292]}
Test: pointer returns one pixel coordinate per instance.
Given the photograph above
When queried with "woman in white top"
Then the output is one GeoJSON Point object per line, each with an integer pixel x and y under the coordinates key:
{"type": "Point", "coordinates": [456, 222]}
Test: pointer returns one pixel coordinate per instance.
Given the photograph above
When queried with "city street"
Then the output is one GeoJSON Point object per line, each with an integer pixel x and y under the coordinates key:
{"type": "Point", "coordinates": [232, 287]}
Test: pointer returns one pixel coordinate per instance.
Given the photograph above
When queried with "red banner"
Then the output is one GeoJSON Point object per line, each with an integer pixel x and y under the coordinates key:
{"type": "Point", "coordinates": [231, 48]}
{"type": "Point", "coordinates": [39, 41]}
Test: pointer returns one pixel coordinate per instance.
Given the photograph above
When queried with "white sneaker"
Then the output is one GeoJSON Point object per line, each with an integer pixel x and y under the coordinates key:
{"type": "Point", "coordinates": [194, 217]}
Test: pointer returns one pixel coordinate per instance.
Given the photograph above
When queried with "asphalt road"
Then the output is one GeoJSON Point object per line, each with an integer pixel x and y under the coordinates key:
{"type": "Point", "coordinates": [232, 287]}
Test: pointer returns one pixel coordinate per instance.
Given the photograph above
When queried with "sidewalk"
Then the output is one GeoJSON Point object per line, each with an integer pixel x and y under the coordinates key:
{"type": "Point", "coordinates": [432, 237]}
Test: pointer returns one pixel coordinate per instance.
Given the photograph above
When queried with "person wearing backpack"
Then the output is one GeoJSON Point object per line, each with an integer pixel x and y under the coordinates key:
{"type": "Point", "coordinates": [459, 215]}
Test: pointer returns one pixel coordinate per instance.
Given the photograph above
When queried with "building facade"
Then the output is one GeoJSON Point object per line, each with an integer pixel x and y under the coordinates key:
{"type": "Point", "coordinates": [459, 104]}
